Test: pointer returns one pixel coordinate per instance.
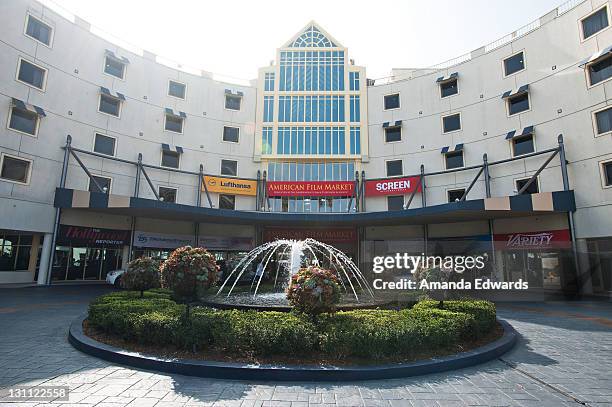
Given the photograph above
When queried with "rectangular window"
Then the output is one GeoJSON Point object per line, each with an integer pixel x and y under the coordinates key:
{"type": "Point", "coordinates": [523, 145]}
{"type": "Point", "coordinates": [266, 140]}
{"type": "Point", "coordinates": [227, 201]}
{"type": "Point", "coordinates": [454, 160]}
{"type": "Point", "coordinates": [23, 121]}
{"type": "Point", "coordinates": [104, 144]}
{"type": "Point", "coordinates": [354, 80]}
{"type": "Point", "coordinates": [451, 123]}
{"type": "Point", "coordinates": [229, 167]}
{"type": "Point", "coordinates": [449, 88]}
{"type": "Point", "coordinates": [114, 67]}
{"type": "Point", "coordinates": [15, 169]}
{"type": "Point", "coordinates": [176, 89]}
{"type": "Point", "coordinates": [109, 105]}
{"type": "Point", "coordinates": [355, 110]}
{"type": "Point", "coordinates": [232, 102]}
{"type": "Point", "coordinates": [15, 252]}
{"type": "Point", "coordinates": [170, 159]}
{"type": "Point", "coordinates": [31, 74]}
{"type": "Point", "coordinates": [394, 168]}
{"type": "Point", "coordinates": [269, 82]}
{"type": "Point", "coordinates": [268, 113]}
{"type": "Point", "coordinates": [393, 134]}
{"type": "Point", "coordinates": [167, 194]}
{"type": "Point", "coordinates": [174, 123]}
{"type": "Point", "coordinates": [231, 134]}
{"type": "Point", "coordinates": [38, 30]}
{"type": "Point", "coordinates": [514, 64]}
{"type": "Point", "coordinates": [392, 101]}
{"type": "Point", "coordinates": [355, 140]}
{"type": "Point", "coordinates": [603, 121]}
{"type": "Point", "coordinates": [594, 23]}
{"type": "Point", "coordinates": [518, 104]}
{"type": "Point", "coordinates": [607, 173]}
{"type": "Point", "coordinates": [455, 195]}
{"type": "Point", "coordinates": [395, 203]}
{"type": "Point", "coordinates": [104, 182]}
{"type": "Point", "coordinates": [600, 71]}
{"type": "Point", "coordinates": [531, 189]}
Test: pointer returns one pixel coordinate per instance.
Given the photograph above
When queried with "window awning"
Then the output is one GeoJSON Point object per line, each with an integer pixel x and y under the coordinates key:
{"type": "Point", "coordinates": [26, 106]}
{"type": "Point", "coordinates": [177, 114]}
{"type": "Point", "coordinates": [111, 54]}
{"type": "Point", "coordinates": [397, 123]}
{"type": "Point", "coordinates": [231, 92]}
{"type": "Point", "coordinates": [598, 55]}
{"type": "Point", "coordinates": [107, 92]}
{"type": "Point", "coordinates": [519, 91]}
{"type": "Point", "coordinates": [177, 149]}
{"type": "Point", "coordinates": [526, 132]}
{"type": "Point", "coordinates": [458, 148]}
{"type": "Point", "coordinates": [451, 77]}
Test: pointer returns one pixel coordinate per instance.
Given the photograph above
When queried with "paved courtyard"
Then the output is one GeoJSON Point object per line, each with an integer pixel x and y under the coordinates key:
{"type": "Point", "coordinates": [564, 358]}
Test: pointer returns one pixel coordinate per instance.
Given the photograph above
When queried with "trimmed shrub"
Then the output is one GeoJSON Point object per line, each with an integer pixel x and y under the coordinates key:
{"type": "Point", "coordinates": [142, 274]}
{"type": "Point", "coordinates": [188, 271]}
{"type": "Point", "coordinates": [314, 290]}
{"type": "Point", "coordinates": [484, 312]}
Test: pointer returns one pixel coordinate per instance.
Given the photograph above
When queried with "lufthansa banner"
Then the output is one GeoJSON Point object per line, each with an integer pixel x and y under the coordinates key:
{"type": "Point", "coordinates": [234, 186]}
{"type": "Point", "coordinates": [311, 188]}
{"type": "Point", "coordinates": [392, 186]}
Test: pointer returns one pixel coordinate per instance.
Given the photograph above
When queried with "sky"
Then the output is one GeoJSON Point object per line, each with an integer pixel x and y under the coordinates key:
{"type": "Point", "coordinates": [236, 37]}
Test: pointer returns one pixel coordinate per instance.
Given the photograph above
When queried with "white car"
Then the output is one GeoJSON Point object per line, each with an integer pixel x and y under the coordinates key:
{"type": "Point", "coordinates": [114, 277]}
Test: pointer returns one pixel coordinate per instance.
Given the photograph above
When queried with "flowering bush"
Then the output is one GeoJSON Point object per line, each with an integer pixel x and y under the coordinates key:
{"type": "Point", "coordinates": [142, 274]}
{"type": "Point", "coordinates": [314, 290]}
{"type": "Point", "coordinates": [189, 270]}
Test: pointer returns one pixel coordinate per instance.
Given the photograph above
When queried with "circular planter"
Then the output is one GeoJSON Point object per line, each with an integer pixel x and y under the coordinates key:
{"type": "Point", "coordinates": [245, 371]}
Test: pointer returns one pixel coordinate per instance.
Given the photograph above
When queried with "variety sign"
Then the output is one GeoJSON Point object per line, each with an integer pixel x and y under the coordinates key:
{"type": "Point", "coordinates": [311, 188]}
{"type": "Point", "coordinates": [91, 237]}
{"type": "Point", "coordinates": [559, 239]}
{"type": "Point", "coordinates": [234, 186]}
{"type": "Point", "coordinates": [392, 186]}
{"type": "Point", "coordinates": [335, 235]}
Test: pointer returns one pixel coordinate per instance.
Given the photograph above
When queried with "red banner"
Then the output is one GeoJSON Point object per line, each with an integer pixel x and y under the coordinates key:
{"type": "Point", "coordinates": [392, 186]}
{"type": "Point", "coordinates": [558, 239]}
{"type": "Point", "coordinates": [331, 236]}
{"type": "Point", "coordinates": [311, 188]}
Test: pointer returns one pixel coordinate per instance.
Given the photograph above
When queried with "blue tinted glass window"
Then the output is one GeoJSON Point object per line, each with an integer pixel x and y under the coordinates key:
{"type": "Point", "coordinates": [595, 23]}
{"type": "Point", "coordinates": [451, 123]}
{"type": "Point", "coordinates": [600, 71]}
{"type": "Point", "coordinates": [31, 74]}
{"type": "Point", "coordinates": [454, 160]}
{"type": "Point", "coordinates": [518, 104]}
{"type": "Point", "coordinates": [604, 121]}
{"type": "Point", "coordinates": [39, 30]}
{"type": "Point", "coordinates": [514, 64]}
{"type": "Point", "coordinates": [392, 101]}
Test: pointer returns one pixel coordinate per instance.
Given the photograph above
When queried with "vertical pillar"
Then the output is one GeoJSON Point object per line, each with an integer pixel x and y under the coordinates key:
{"type": "Point", "coordinates": [423, 196]}
{"type": "Point", "coordinates": [136, 194]}
{"type": "Point", "coordinates": [45, 259]}
{"type": "Point", "coordinates": [258, 192]}
{"type": "Point", "coordinates": [487, 179]}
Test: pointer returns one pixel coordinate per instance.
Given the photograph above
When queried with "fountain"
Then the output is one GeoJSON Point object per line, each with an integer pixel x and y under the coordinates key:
{"type": "Point", "coordinates": [276, 262]}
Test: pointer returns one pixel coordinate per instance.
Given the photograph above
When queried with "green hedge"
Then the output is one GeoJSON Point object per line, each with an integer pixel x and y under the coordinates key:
{"type": "Point", "coordinates": [375, 334]}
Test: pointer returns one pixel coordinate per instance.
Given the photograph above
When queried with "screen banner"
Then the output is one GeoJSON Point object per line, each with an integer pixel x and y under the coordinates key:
{"type": "Point", "coordinates": [392, 186]}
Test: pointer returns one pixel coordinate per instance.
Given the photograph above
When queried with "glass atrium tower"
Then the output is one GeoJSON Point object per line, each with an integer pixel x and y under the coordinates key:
{"type": "Point", "coordinates": [312, 118]}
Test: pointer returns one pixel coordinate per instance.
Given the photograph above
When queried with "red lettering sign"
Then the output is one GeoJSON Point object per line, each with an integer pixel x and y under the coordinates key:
{"type": "Point", "coordinates": [392, 186]}
{"type": "Point", "coordinates": [92, 237]}
{"type": "Point", "coordinates": [559, 239]}
{"type": "Point", "coordinates": [311, 188]}
{"type": "Point", "coordinates": [331, 236]}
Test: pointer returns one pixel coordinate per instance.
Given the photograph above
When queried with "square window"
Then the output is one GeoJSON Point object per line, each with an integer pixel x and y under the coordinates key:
{"type": "Point", "coordinates": [393, 134]}
{"type": "Point", "coordinates": [227, 202]}
{"type": "Point", "coordinates": [603, 121]}
{"type": "Point", "coordinates": [531, 189]}
{"type": "Point", "coordinates": [174, 123]}
{"type": "Point", "coordinates": [170, 159]}
{"type": "Point", "coordinates": [104, 182]}
{"type": "Point", "coordinates": [104, 144]}
{"type": "Point", "coordinates": [229, 167]}
{"type": "Point", "coordinates": [109, 105]}
{"type": "Point", "coordinates": [594, 23]}
{"type": "Point", "coordinates": [395, 203]}
{"type": "Point", "coordinates": [392, 101]}
{"type": "Point", "coordinates": [114, 67]}
{"type": "Point", "coordinates": [23, 121]}
{"type": "Point", "coordinates": [600, 71]}
{"type": "Point", "coordinates": [231, 134]}
{"type": "Point", "coordinates": [454, 160]}
{"type": "Point", "coordinates": [523, 145]}
{"type": "Point", "coordinates": [15, 169]}
{"type": "Point", "coordinates": [176, 89]}
{"type": "Point", "coordinates": [232, 102]}
{"type": "Point", "coordinates": [167, 194]}
{"type": "Point", "coordinates": [38, 30]}
{"type": "Point", "coordinates": [394, 168]}
{"type": "Point", "coordinates": [607, 173]}
{"type": "Point", "coordinates": [31, 74]}
{"type": "Point", "coordinates": [514, 64]}
{"type": "Point", "coordinates": [455, 195]}
{"type": "Point", "coordinates": [451, 123]}
{"type": "Point", "coordinates": [449, 88]}
{"type": "Point", "coordinates": [518, 103]}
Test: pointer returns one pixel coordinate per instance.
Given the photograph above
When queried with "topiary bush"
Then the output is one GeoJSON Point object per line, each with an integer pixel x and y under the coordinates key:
{"type": "Point", "coordinates": [314, 290]}
{"type": "Point", "coordinates": [188, 271]}
{"type": "Point", "coordinates": [142, 274]}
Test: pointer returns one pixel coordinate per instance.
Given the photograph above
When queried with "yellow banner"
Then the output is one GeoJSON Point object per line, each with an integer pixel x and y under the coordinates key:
{"type": "Point", "coordinates": [232, 186]}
